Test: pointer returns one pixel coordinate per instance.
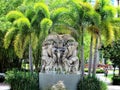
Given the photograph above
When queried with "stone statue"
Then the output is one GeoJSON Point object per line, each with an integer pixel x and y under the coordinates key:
{"type": "Point", "coordinates": [59, 86]}
{"type": "Point", "coordinates": [59, 53]}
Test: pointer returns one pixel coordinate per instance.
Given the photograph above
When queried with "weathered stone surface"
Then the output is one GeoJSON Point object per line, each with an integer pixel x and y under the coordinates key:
{"type": "Point", "coordinates": [47, 80]}
{"type": "Point", "coordinates": [59, 53]}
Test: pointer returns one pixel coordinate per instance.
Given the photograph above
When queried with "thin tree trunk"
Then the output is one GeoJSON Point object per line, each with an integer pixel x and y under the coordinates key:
{"type": "Point", "coordinates": [90, 57]}
{"type": "Point", "coordinates": [95, 57]}
{"type": "Point", "coordinates": [30, 57]}
{"type": "Point", "coordinates": [118, 2]}
{"type": "Point", "coordinates": [82, 53]}
{"type": "Point", "coordinates": [119, 70]}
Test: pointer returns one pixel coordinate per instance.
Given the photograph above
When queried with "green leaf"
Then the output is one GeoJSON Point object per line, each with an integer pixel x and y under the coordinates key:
{"type": "Point", "coordinates": [23, 24]}
{"type": "Point", "coordinates": [41, 7]}
{"type": "Point", "coordinates": [13, 15]}
{"type": "Point", "coordinates": [9, 36]}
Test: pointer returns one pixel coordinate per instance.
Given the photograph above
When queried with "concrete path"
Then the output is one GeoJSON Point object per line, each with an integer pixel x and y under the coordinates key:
{"type": "Point", "coordinates": [108, 82]}
{"type": "Point", "coordinates": [4, 86]}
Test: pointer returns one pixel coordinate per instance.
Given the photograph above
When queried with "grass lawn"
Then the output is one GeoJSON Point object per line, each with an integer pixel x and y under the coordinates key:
{"type": "Point", "coordinates": [110, 74]}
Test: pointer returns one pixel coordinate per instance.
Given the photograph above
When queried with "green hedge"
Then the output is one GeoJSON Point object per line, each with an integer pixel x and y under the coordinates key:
{"type": "Point", "coordinates": [91, 83]}
{"type": "Point", "coordinates": [20, 80]}
{"type": "Point", "coordinates": [116, 80]}
{"type": "Point", "coordinates": [97, 70]}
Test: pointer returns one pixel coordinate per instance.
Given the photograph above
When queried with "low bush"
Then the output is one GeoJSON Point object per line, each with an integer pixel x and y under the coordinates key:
{"type": "Point", "coordinates": [20, 80]}
{"type": "Point", "coordinates": [2, 78]}
{"type": "Point", "coordinates": [91, 83]}
{"type": "Point", "coordinates": [116, 80]}
{"type": "Point", "coordinates": [97, 70]}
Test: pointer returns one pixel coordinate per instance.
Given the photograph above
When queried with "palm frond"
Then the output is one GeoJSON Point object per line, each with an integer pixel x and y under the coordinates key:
{"type": "Point", "coordinates": [108, 32]}
{"type": "Point", "coordinates": [56, 14]}
{"type": "Point", "coordinates": [23, 24]}
{"type": "Point", "coordinates": [118, 11]}
{"type": "Point", "coordinates": [45, 25]}
{"type": "Point", "coordinates": [104, 8]}
{"type": "Point", "coordinates": [41, 7]}
{"type": "Point", "coordinates": [109, 12]}
{"type": "Point", "coordinates": [18, 45]}
{"type": "Point", "coordinates": [92, 17]}
{"type": "Point", "coordinates": [115, 22]}
{"type": "Point", "coordinates": [117, 33]}
{"type": "Point", "coordinates": [86, 6]}
{"type": "Point", "coordinates": [34, 41]}
{"type": "Point", "coordinates": [30, 13]}
{"type": "Point", "coordinates": [116, 27]}
{"type": "Point", "coordinates": [26, 42]}
{"type": "Point", "coordinates": [94, 30]}
{"type": "Point", "coordinates": [9, 36]}
{"type": "Point", "coordinates": [13, 15]}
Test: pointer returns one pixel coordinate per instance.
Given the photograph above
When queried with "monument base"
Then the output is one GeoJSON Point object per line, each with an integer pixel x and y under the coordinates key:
{"type": "Point", "coordinates": [46, 80]}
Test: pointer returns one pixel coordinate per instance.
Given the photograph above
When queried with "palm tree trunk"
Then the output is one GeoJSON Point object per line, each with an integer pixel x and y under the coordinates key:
{"type": "Point", "coordinates": [90, 57]}
{"type": "Point", "coordinates": [119, 69]}
{"type": "Point", "coordinates": [82, 53]}
{"type": "Point", "coordinates": [30, 56]}
{"type": "Point", "coordinates": [95, 57]}
{"type": "Point", "coordinates": [118, 2]}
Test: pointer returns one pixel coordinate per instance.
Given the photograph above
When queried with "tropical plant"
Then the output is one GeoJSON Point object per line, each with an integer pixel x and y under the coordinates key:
{"type": "Point", "coordinates": [7, 56]}
{"type": "Point", "coordinates": [86, 16]}
{"type": "Point", "coordinates": [91, 83]}
{"type": "Point", "coordinates": [94, 35]}
{"type": "Point", "coordinates": [26, 29]}
{"type": "Point", "coordinates": [20, 80]}
{"type": "Point", "coordinates": [107, 13]}
{"type": "Point", "coordinates": [112, 52]}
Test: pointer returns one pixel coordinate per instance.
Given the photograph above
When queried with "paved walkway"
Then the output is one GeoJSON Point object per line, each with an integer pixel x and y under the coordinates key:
{"type": "Point", "coordinates": [4, 86]}
{"type": "Point", "coordinates": [106, 80]}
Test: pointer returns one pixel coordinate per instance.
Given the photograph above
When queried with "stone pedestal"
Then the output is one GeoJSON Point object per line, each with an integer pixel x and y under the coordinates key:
{"type": "Point", "coordinates": [46, 80]}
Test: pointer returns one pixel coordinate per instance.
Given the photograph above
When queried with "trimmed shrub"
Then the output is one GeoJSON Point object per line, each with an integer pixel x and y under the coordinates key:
{"type": "Point", "coordinates": [116, 80]}
{"type": "Point", "coordinates": [20, 80]}
{"type": "Point", "coordinates": [97, 70]}
{"type": "Point", "coordinates": [2, 78]}
{"type": "Point", "coordinates": [91, 83]}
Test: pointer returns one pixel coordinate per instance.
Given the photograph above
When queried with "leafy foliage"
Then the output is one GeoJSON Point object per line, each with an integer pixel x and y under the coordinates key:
{"type": "Point", "coordinates": [9, 36]}
{"type": "Point", "coordinates": [116, 80]}
{"type": "Point", "coordinates": [20, 80]}
{"type": "Point", "coordinates": [97, 70]}
{"type": "Point", "coordinates": [112, 52]}
{"type": "Point", "coordinates": [32, 20]}
{"type": "Point", "coordinates": [13, 15]}
{"type": "Point", "coordinates": [23, 24]}
{"type": "Point", "coordinates": [91, 83]}
{"type": "Point", "coordinates": [46, 24]}
{"type": "Point", "coordinates": [8, 5]}
{"type": "Point", "coordinates": [42, 8]}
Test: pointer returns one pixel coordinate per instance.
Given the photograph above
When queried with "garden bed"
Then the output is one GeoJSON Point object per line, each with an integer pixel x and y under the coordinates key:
{"type": "Point", "coordinates": [116, 80]}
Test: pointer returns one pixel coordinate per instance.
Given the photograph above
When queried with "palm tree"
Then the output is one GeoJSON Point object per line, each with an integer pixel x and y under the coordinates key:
{"type": "Point", "coordinates": [94, 35]}
{"type": "Point", "coordinates": [107, 13]}
{"type": "Point", "coordinates": [85, 17]}
{"type": "Point", "coordinates": [27, 29]}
